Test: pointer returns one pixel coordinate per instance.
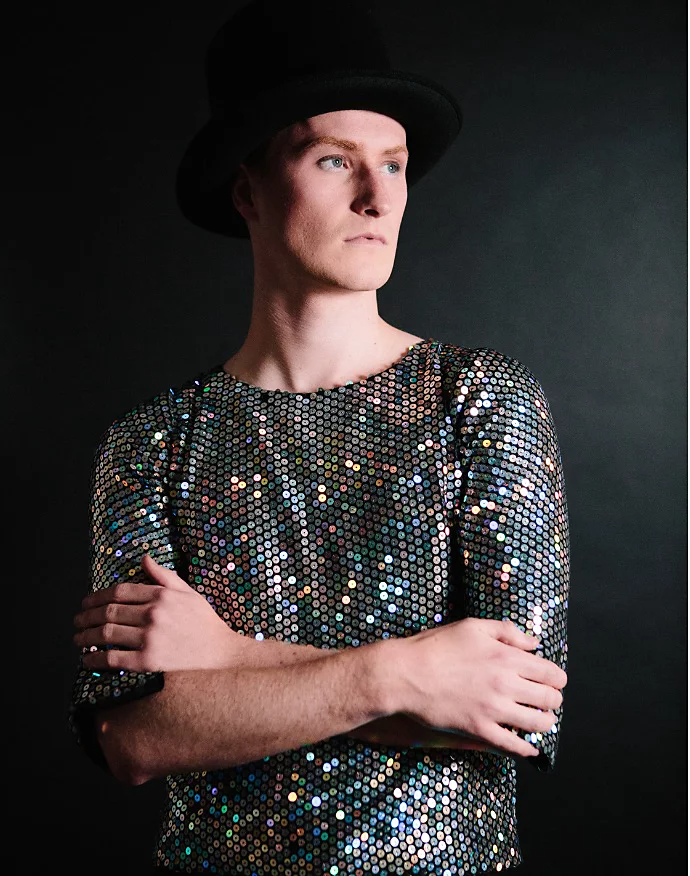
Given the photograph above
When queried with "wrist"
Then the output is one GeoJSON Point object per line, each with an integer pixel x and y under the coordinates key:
{"type": "Point", "coordinates": [382, 660]}
{"type": "Point", "coordinates": [407, 683]}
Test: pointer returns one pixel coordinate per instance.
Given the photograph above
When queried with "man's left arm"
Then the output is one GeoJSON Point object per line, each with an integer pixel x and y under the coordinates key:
{"type": "Point", "coordinates": [511, 517]}
{"type": "Point", "coordinates": [397, 731]}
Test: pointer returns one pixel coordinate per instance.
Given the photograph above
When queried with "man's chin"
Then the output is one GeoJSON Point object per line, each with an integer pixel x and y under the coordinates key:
{"type": "Point", "coordinates": [361, 273]}
{"type": "Point", "coordinates": [360, 281]}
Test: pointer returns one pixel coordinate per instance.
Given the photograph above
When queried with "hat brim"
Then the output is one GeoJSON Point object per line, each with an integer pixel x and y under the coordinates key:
{"type": "Point", "coordinates": [430, 115]}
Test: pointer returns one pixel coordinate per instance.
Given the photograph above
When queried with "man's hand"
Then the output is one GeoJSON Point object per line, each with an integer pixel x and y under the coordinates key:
{"type": "Point", "coordinates": [164, 625]}
{"type": "Point", "coordinates": [476, 676]}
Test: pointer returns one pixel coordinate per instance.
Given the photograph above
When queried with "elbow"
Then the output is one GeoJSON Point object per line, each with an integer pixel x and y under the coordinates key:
{"type": "Point", "coordinates": [128, 775]}
{"type": "Point", "coordinates": [129, 772]}
{"type": "Point", "coordinates": [126, 762]}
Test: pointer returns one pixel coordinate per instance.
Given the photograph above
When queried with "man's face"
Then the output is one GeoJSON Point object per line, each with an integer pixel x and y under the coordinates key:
{"type": "Point", "coordinates": [314, 199]}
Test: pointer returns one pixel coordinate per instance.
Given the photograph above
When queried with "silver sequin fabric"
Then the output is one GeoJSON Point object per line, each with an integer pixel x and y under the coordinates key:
{"type": "Point", "coordinates": [423, 494]}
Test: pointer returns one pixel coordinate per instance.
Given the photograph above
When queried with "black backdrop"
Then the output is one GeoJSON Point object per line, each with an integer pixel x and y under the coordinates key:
{"type": "Point", "coordinates": [554, 231]}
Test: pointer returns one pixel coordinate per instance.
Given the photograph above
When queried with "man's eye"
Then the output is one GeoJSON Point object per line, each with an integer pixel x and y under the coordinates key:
{"type": "Point", "coordinates": [395, 164]}
{"type": "Point", "coordinates": [332, 158]}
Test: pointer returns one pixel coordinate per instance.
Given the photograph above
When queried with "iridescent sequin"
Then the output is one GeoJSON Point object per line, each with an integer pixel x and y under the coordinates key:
{"type": "Point", "coordinates": [423, 494]}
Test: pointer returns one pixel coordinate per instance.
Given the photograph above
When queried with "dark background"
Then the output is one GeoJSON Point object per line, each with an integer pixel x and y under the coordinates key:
{"type": "Point", "coordinates": [554, 230]}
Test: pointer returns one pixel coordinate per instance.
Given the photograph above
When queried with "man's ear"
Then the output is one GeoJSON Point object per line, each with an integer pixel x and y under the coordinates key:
{"type": "Point", "coordinates": [242, 193]}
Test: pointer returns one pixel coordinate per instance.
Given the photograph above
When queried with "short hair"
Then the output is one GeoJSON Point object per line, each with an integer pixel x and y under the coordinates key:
{"type": "Point", "coordinates": [257, 159]}
{"type": "Point", "coordinates": [257, 162]}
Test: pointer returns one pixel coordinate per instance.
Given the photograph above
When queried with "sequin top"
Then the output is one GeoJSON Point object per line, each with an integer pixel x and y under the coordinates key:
{"type": "Point", "coordinates": [428, 492]}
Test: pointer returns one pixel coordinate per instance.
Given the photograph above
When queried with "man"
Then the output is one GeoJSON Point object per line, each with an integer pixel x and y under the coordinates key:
{"type": "Point", "coordinates": [315, 566]}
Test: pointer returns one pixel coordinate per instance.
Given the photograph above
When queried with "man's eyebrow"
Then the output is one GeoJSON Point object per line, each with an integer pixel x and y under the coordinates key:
{"type": "Point", "coordinates": [350, 145]}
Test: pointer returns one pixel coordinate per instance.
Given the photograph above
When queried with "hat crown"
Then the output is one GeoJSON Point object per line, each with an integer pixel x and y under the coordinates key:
{"type": "Point", "coordinates": [274, 63]}
{"type": "Point", "coordinates": [267, 43]}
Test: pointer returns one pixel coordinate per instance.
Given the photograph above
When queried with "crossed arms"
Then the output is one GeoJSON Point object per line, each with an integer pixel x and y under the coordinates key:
{"type": "Point", "coordinates": [194, 723]}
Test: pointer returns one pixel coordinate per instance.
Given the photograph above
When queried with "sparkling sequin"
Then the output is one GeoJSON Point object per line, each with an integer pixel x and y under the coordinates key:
{"type": "Point", "coordinates": [415, 497]}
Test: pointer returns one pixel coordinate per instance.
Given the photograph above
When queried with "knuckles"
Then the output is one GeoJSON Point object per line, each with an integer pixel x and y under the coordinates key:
{"type": "Point", "coordinates": [119, 591]}
{"type": "Point", "coordinates": [152, 612]}
{"type": "Point", "coordinates": [108, 633]}
{"type": "Point", "coordinates": [110, 611]}
{"type": "Point", "coordinates": [108, 659]}
{"type": "Point", "coordinates": [148, 640]}
{"type": "Point", "coordinates": [499, 683]}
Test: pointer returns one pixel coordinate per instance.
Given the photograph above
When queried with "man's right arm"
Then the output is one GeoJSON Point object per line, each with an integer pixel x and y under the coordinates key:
{"type": "Point", "coordinates": [218, 718]}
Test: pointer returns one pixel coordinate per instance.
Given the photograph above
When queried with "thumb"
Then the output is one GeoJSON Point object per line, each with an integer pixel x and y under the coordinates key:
{"type": "Point", "coordinates": [161, 575]}
{"type": "Point", "coordinates": [508, 632]}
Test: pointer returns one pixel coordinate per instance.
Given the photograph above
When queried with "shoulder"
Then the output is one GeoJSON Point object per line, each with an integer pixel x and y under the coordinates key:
{"type": "Point", "coordinates": [489, 392]}
{"type": "Point", "coordinates": [483, 369]}
{"type": "Point", "coordinates": [156, 418]}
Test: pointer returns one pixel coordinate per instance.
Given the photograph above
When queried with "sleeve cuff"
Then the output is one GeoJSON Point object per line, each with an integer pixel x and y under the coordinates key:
{"type": "Point", "coordinates": [82, 714]}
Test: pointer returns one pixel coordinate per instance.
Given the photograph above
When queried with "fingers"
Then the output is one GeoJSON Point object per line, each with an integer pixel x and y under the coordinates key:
{"type": "Point", "coordinates": [127, 591]}
{"type": "Point", "coordinates": [136, 592]}
{"type": "Point", "coordinates": [529, 720]}
{"type": "Point", "coordinates": [111, 634]}
{"type": "Point", "coordinates": [118, 625]}
{"type": "Point", "coordinates": [114, 613]}
{"type": "Point", "coordinates": [161, 575]}
{"type": "Point", "coordinates": [135, 661]}
{"type": "Point", "coordinates": [461, 742]}
{"type": "Point", "coordinates": [509, 743]}
{"type": "Point", "coordinates": [539, 669]}
{"type": "Point", "coordinates": [506, 631]}
{"type": "Point", "coordinates": [539, 696]}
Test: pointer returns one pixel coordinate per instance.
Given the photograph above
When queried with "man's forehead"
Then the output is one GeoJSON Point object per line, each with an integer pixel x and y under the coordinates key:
{"type": "Point", "coordinates": [297, 138]}
{"type": "Point", "coordinates": [294, 133]}
{"type": "Point", "coordinates": [320, 125]}
{"type": "Point", "coordinates": [303, 127]}
{"type": "Point", "coordinates": [299, 131]}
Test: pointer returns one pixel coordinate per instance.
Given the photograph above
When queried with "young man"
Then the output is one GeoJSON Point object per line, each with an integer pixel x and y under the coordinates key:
{"type": "Point", "coordinates": [320, 570]}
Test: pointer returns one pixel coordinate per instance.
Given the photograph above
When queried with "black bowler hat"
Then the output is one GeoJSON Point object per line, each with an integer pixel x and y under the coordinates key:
{"type": "Point", "coordinates": [274, 63]}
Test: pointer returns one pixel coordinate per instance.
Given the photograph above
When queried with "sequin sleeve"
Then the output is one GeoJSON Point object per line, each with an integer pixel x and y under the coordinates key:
{"type": "Point", "coordinates": [128, 517]}
{"type": "Point", "coordinates": [511, 511]}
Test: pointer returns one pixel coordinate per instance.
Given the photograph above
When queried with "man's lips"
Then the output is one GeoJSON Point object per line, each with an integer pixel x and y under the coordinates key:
{"type": "Point", "coordinates": [374, 239]}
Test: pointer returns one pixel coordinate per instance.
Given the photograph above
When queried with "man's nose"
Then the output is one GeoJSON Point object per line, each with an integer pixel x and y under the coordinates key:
{"type": "Point", "coordinates": [373, 193]}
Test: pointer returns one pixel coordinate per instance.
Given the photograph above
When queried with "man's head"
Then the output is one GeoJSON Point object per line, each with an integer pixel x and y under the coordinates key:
{"type": "Point", "coordinates": [303, 204]}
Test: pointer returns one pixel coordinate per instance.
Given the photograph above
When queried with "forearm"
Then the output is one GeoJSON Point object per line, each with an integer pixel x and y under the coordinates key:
{"type": "Point", "coordinates": [214, 719]}
{"type": "Point", "coordinates": [395, 730]}
{"type": "Point", "coordinates": [267, 653]}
